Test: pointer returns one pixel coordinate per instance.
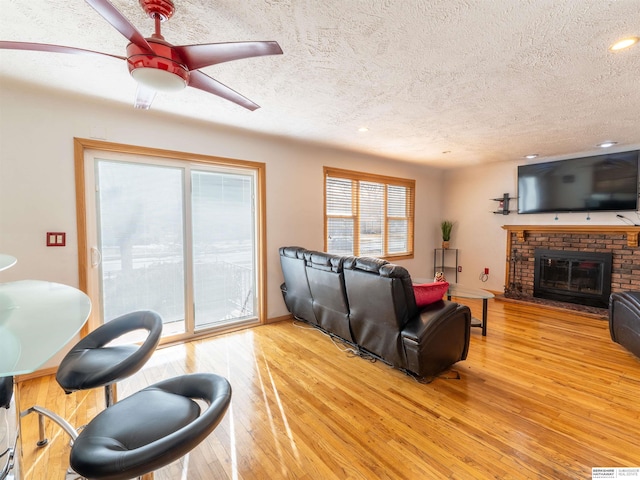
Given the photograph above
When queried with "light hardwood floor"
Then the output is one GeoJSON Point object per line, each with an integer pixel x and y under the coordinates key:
{"type": "Point", "coordinates": [545, 395]}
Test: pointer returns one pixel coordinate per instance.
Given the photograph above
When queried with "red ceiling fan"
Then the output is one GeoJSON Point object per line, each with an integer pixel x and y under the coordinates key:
{"type": "Point", "coordinates": [156, 64]}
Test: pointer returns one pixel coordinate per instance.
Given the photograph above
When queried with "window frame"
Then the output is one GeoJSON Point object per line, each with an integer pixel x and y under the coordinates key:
{"type": "Point", "coordinates": [355, 177]}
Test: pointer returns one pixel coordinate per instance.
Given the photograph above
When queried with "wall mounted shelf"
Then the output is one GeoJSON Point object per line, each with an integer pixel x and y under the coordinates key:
{"type": "Point", "coordinates": [503, 204]}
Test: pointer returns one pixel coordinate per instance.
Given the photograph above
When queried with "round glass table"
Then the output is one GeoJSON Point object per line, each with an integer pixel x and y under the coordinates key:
{"type": "Point", "coordinates": [37, 319]}
{"type": "Point", "coordinates": [459, 291]}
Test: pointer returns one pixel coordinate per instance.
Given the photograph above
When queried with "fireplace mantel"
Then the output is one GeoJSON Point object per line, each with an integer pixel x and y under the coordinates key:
{"type": "Point", "coordinates": [629, 230]}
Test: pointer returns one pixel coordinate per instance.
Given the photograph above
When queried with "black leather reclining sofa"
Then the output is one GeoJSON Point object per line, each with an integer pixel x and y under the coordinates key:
{"type": "Point", "coordinates": [370, 304]}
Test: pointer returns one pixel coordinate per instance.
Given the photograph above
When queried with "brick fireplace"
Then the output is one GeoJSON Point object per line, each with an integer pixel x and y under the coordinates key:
{"type": "Point", "coordinates": [523, 240]}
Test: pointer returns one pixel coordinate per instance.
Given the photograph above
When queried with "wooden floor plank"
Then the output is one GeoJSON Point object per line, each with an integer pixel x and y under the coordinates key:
{"type": "Point", "coordinates": [545, 395]}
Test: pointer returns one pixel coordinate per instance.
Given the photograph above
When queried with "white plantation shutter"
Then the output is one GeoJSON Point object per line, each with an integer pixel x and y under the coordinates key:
{"type": "Point", "coordinates": [368, 215]}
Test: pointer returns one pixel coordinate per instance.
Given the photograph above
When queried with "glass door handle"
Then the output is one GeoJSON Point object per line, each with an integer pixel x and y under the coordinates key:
{"type": "Point", "coordinates": [96, 257]}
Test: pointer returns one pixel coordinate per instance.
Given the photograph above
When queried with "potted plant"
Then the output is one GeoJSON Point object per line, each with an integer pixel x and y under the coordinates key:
{"type": "Point", "coordinates": [446, 226]}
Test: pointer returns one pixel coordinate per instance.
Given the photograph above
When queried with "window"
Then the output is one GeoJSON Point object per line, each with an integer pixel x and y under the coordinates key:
{"type": "Point", "coordinates": [367, 214]}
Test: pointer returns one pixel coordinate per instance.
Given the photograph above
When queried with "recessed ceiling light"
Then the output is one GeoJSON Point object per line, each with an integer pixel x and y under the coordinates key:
{"type": "Point", "coordinates": [531, 156]}
{"type": "Point", "coordinates": [607, 144]}
{"type": "Point", "coordinates": [363, 129]}
{"type": "Point", "coordinates": [624, 43]}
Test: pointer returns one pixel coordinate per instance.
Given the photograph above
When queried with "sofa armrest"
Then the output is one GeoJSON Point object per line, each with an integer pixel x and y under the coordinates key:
{"type": "Point", "coordinates": [418, 328]}
{"type": "Point", "coordinates": [437, 338]}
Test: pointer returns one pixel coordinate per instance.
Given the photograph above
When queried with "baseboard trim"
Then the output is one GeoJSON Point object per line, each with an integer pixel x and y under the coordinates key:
{"type": "Point", "coordinates": [278, 319]}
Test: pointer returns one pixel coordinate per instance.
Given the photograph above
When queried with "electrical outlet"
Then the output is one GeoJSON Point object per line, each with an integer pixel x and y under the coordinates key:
{"type": "Point", "coordinates": [459, 268]}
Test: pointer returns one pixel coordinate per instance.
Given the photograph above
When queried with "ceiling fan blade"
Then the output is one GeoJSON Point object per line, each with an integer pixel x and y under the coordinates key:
{"type": "Point", "coordinates": [204, 82]}
{"type": "Point", "coordinates": [120, 23]}
{"type": "Point", "coordinates": [45, 47]}
{"type": "Point", "coordinates": [203, 55]}
{"type": "Point", "coordinates": [144, 97]}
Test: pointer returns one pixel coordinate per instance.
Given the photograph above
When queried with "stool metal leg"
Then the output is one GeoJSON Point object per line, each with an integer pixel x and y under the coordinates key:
{"type": "Point", "coordinates": [109, 395]}
{"type": "Point", "coordinates": [42, 440]}
{"type": "Point", "coordinates": [43, 412]}
{"type": "Point", "coordinates": [10, 461]}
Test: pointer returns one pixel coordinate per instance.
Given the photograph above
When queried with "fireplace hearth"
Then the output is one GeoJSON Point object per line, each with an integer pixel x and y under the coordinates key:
{"type": "Point", "coordinates": [579, 277]}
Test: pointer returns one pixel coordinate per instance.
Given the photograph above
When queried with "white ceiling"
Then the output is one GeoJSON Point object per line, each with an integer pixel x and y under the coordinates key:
{"type": "Point", "coordinates": [484, 80]}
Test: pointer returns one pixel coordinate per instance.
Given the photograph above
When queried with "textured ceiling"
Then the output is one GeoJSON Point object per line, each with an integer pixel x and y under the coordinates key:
{"type": "Point", "coordinates": [484, 80]}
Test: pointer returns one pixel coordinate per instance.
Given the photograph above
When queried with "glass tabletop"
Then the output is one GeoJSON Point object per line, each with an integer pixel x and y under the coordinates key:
{"type": "Point", "coordinates": [457, 290]}
{"type": "Point", "coordinates": [7, 261]}
{"type": "Point", "coordinates": [37, 319]}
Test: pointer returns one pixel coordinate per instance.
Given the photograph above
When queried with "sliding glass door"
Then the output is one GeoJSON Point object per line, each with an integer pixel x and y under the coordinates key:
{"type": "Point", "coordinates": [177, 237]}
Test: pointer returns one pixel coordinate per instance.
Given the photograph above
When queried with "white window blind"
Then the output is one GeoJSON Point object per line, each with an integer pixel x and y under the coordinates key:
{"type": "Point", "coordinates": [367, 214]}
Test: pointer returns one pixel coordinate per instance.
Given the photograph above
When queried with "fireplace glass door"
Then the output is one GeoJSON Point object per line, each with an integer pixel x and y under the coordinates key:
{"type": "Point", "coordinates": [573, 276]}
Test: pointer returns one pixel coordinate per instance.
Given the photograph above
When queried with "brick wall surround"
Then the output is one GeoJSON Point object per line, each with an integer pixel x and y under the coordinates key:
{"type": "Point", "coordinates": [521, 246]}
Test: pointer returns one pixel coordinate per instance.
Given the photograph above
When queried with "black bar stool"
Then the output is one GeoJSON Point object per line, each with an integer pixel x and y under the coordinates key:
{"type": "Point", "coordinates": [93, 363]}
{"type": "Point", "coordinates": [150, 428]}
{"type": "Point", "coordinates": [6, 393]}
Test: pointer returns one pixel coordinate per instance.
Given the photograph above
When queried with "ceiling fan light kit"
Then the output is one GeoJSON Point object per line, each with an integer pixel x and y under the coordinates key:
{"type": "Point", "coordinates": [159, 80]}
{"type": "Point", "coordinates": [158, 66]}
{"type": "Point", "coordinates": [162, 71]}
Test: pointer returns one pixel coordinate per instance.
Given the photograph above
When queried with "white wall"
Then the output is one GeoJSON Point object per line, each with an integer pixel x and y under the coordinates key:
{"type": "Point", "coordinates": [477, 231]}
{"type": "Point", "coordinates": [37, 189]}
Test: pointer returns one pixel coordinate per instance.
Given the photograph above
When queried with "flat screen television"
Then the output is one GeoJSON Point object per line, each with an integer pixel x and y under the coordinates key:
{"type": "Point", "coordinates": [587, 184]}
